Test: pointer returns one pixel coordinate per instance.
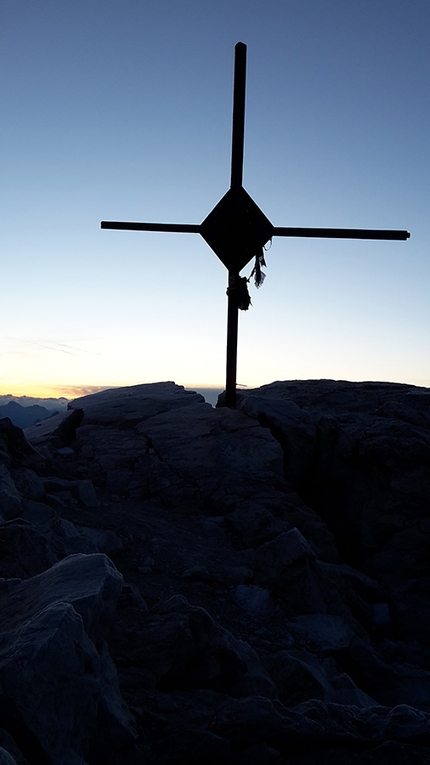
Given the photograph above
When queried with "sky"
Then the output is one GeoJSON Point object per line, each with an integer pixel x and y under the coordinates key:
{"type": "Point", "coordinates": [122, 111]}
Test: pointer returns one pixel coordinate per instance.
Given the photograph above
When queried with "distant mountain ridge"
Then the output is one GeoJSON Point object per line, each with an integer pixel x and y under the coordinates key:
{"type": "Point", "coordinates": [25, 411]}
{"type": "Point", "coordinates": [25, 416]}
{"type": "Point", "coordinates": [26, 401]}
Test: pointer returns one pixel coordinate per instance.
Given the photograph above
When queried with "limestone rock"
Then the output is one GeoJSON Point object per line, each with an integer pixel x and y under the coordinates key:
{"type": "Point", "coordinates": [314, 723]}
{"type": "Point", "coordinates": [57, 536]}
{"type": "Point", "coordinates": [58, 430]}
{"type": "Point", "coordinates": [256, 720]}
{"type": "Point", "coordinates": [324, 632]}
{"type": "Point", "coordinates": [369, 476]}
{"type": "Point", "coordinates": [294, 427]}
{"type": "Point", "coordinates": [28, 484]}
{"type": "Point", "coordinates": [90, 583]}
{"type": "Point", "coordinates": [179, 646]}
{"type": "Point", "coordinates": [51, 671]}
{"type": "Point", "coordinates": [288, 548]}
{"type": "Point", "coordinates": [371, 451]}
{"type": "Point", "coordinates": [16, 447]}
{"type": "Point", "coordinates": [252, 523]}
{"type": "Point", "coordinates": [54, 668]}
{"type": "Point", "coordinates": [287, 566]}
{"type": "Point", "coordinates": [24, 552]}
{"type": "Point", "coordinates": [191, 741]}
{"type": "Point", "coordinates": [10, 499]}
{"type": "Point", "coordinates": [127, 406]}
{"type": "Point", "coordinates": [297, 679]}
{"type": "Point", "coordinates": [6, 758]}
{"type": "Point", "coordinates": [278, 584]}
{"type": "Point", "coordinates": [299, 676]}
{"type": "Point", "coordinates": [7, 742]}
{"type": "Point", "coordinates": [161, 442]}
{"type": "Point", "coordinates": [254, 599]}
{"type": "Point", "coordinates": [81, 490]}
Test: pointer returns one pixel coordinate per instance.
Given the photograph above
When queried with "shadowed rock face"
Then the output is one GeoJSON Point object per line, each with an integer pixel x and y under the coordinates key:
{"type": "Point", "coordinates": [266, 595]}
{"type": "Point", "coordinates": [358, 454]}
{"type": "Point", "coordinates": [57, 680]}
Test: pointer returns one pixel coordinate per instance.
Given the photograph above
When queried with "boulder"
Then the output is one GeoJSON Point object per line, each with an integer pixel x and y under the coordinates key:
{"type": "Point", "coordinates": [254, 599]}
{"type": "Point", "coordinates": [55, 672]}
{"type": "Point", "coordinates": [64, 688]}
{"type": "Point", "coordinates": [323, 632]}
{"type": "Point", "coordinates": [28, 483]}
{"type": "Point", "coordinates": [90, 583]}
{"type": "Point", "coordinates": [297, 678]}
{"type": "Point", "coordinates": [177, 645]}
{"type": "Point", "coordinates": [54, 538]}
{"type": "Point", "coordinates": [286, 565]}
{"type": "Point", "coordinates": [81, 490]}
{"type": "Point", "coordinates": [252, 523]}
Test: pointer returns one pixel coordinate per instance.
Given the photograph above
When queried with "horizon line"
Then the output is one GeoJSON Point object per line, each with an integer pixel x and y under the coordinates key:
{"type": "Point", "coordinates": [71, 392]}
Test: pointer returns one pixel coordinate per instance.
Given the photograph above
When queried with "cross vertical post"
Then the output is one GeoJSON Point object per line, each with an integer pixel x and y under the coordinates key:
{"type": "Point", "coordinates": [238, 130]}
{"type": "Point", "coordinates": [237, 143]}
{"type": "Point", "coordinates": [232, 329]}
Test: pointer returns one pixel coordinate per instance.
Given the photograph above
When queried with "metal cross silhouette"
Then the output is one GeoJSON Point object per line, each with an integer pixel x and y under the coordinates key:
{"type": "Point", "coordinates": [237, 230]}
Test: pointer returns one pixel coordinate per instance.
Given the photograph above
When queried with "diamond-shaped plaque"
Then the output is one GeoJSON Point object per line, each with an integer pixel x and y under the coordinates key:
{"type": "Point", "coordinates": [236, 229]}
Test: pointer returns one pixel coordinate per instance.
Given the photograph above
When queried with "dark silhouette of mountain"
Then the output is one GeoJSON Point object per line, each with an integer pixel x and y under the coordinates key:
{"type": "Point", "coordinates": [25, 416]}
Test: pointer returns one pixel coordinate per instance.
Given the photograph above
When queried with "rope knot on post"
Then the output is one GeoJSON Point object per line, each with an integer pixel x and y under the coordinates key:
{"type": "Point", "coordinates": [240, 288]}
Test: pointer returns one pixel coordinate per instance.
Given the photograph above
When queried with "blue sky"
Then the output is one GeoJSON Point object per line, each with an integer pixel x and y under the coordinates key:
{"type": "Point", "coordinates": [122, 111]}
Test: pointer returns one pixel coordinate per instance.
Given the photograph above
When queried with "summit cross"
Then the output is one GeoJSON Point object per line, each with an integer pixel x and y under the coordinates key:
{"type": "Point", "coordinates": [237, 230]}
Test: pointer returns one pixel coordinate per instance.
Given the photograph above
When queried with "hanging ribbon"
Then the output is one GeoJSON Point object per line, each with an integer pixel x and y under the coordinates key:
{"type": "Point", "coordinates": [257, 273]}
{"type": "Point", "coordinates": [243, 296]}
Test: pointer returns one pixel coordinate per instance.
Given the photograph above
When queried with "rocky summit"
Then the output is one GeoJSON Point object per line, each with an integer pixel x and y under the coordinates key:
{"type": "Point", "coordinates": [188, 585]}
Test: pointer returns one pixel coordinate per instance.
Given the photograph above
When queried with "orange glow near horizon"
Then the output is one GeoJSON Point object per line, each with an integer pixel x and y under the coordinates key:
{"type": "Point", "coordinates": [45, 390]}
{"type": "Point", "coordinates": [50, 391]}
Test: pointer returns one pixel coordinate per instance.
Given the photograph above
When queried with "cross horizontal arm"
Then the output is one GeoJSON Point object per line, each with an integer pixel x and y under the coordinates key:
{"type": "Point", "coordinates": [341, 233]}
{"type": "Point", "coordinates": [183, 228]}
